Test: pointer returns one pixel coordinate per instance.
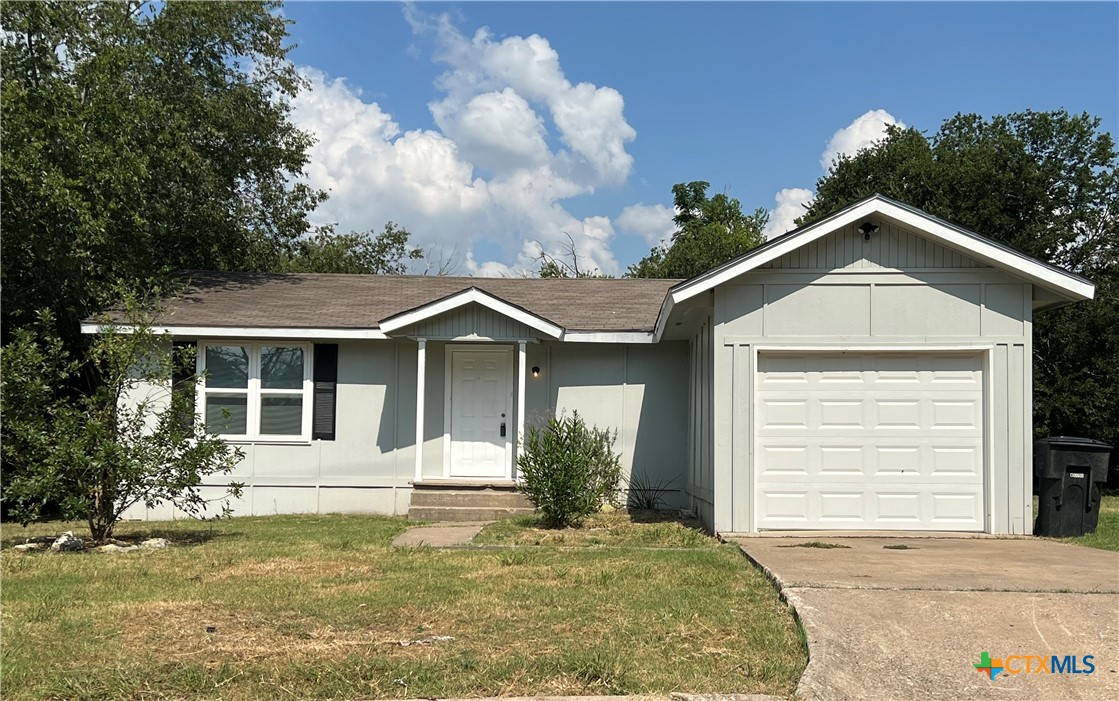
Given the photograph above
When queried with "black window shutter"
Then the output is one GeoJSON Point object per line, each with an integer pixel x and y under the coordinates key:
{"type": "Point", "coordinates": [326, 394]}
{"type": "Point", "coordinates": [183, 371]}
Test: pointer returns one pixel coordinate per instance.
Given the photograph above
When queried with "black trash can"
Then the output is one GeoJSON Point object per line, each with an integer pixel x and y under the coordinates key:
{"type": "Point", "coordinates": [1068, 473]}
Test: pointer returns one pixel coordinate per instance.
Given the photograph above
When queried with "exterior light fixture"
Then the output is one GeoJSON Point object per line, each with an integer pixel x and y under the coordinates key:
{"type": "Point", "coordinates": [867, 229]}
{"type": "Point", "coordinates": [536, 371]}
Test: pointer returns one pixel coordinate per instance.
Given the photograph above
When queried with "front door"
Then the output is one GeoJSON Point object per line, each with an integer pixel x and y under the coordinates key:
{"type": "Point", "coordinates": [480, 414]}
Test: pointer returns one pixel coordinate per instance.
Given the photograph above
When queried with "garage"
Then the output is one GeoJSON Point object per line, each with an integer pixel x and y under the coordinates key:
{"type": "Point", "coordinates": [870, 441]}
{"type": "Point", "coordinates": [871, 371]}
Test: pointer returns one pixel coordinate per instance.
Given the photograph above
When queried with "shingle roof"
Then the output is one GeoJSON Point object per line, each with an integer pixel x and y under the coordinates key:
{"type": "Point", "coordinates": [361, 301]}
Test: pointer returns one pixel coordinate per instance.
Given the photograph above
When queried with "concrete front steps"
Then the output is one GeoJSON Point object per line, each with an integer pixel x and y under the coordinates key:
{"type": "Point", "coordinates": [448, 500]}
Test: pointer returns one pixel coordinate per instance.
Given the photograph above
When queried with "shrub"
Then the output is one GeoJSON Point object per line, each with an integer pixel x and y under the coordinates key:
{"type": "Point", "coordinates": [569, 471]}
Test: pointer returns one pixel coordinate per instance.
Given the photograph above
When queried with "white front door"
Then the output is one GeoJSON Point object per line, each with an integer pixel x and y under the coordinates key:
{"type": "Point", "coordinates": [870, 441]}
{"type": "Point", "coordinates": [481, 417]}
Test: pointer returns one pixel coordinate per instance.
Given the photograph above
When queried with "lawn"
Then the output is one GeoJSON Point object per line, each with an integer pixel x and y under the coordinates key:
{"type": "Point", "coordinates": [322, 607]}
{"type": "Point", "coordinates": [652, 529]}
{"type": "Point", "coordinates": [1106, 536]}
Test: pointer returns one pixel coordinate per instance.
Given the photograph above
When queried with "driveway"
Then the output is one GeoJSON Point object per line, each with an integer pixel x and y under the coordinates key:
{"type": "Point", "coordinates": [885, 622]}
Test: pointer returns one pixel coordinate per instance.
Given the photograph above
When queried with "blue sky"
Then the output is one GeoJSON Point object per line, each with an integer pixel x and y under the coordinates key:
{"type": "Point", "coordinates": [489, 128]}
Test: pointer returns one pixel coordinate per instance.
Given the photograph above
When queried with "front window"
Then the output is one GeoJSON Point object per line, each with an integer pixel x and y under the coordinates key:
{"type": "Point", "coordinates": [256, 391]}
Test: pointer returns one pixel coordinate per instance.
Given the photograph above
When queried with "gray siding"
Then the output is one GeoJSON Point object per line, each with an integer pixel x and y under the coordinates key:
{"type": "Point", "coordinates": [701, 472]}
{"type": "Point", "coordinates": [368, 468]}
{"type": "Point", "coordinates": [891, 247]}
{"type": "Point", "coordinates": [942, 300]}
{"type": "Point", "coordinates": [472, 321]}
{"type": "Point", "coordinates": [638, 390]}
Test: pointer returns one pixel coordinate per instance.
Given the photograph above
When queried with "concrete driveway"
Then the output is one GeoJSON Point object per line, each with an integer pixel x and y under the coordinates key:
{"type": "Point", "coordinates": [885, 622]}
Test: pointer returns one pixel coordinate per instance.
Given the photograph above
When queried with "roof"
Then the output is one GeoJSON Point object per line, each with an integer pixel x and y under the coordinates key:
{"type": "Point", "coordinates": [356, 306]}
{"type": "Point", "coordinates": [332, 301]}
{"type": "Point", "coordinates": [1068, 286]}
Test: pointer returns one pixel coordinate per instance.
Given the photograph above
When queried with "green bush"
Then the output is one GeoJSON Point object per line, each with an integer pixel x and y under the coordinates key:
{"type": "Point", "coordinates": [569, 471]}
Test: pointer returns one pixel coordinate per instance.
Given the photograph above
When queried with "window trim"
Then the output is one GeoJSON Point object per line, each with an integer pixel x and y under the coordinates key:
{"type": "Point", "coordinates": [255, 394]}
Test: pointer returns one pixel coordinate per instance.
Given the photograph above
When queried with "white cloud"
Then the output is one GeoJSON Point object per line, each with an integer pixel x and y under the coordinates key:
{"type": "Point", "coordinates": [496, 130]}
{"type": "Point", "coordinates": [859, 134]}
{"type": "Point", "coordinates": [589, 119]}
{"type": "Point", "coordinates": [374, 172]}
{"type": "Point", "coordinates": [493, 115]}
{"type": "Point", "coordinates": [652, 221]}
{"type": "Point", "coordinates": [864, 131]}
{"type": "Point", "coordinates": [790, 204]}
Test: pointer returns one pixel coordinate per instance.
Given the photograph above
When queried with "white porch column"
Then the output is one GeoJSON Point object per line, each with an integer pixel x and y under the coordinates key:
{"type": "Point", "coordinates": [522, 371]}
{"type": "Point", "coordinates": [421, 371]}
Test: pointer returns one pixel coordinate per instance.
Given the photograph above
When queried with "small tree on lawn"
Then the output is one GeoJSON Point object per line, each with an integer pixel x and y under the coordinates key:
{"type": "Point", "coordinates": [98, 452]}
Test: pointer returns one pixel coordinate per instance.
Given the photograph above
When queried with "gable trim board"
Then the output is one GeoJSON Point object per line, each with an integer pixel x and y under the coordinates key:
{"type": "Point", "coordinates": [342, 334]}
{"type": "Point", "coordinates": [680, 369]}
{"type": "Point", "coordinates": [470, 296]}
{"type": "Point", "coordinates": [1073, 287]}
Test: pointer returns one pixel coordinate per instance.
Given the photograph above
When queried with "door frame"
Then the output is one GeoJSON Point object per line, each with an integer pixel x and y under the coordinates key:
{"type": "Point", "coordinates": [448, 382]}
{"type": "Point", "coordinates": [984, 350]}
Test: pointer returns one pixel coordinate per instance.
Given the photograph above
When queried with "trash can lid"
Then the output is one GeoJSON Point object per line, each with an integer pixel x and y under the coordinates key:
{"type": "Point", "coordinates": [1076, 441]}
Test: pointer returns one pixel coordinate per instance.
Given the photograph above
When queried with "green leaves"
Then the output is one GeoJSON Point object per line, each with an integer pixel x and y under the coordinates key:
{"type": "Point", "coordinates": [386, 253]}
{"type": "Point", "coordinates": [140, 138]}
{"type": "Point", "coordinates": [569, 470]}
{"type": "Point", "coordinates": [91, 454]}
{"type": "Point", "coordinates": [709, 231]}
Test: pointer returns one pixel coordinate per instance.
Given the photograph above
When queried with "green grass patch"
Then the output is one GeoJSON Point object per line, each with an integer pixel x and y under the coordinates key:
{"type": "Point", "coordinates": [816, 544]}
{"type": "Point", "coordinates": [900, 546]}
{"type": "Point", "coordinates": [649, 529]}
{"type": "Point", "coordinates": [322, 607]}
{"type": "Point", "coordinates": [1106, 536]}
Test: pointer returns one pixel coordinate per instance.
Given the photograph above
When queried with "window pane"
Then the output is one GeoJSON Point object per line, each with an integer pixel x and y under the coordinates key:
{"type": "Point", "coordinates": [227, 414]}
{"type": "Point", "coordinates": [227, 366]}
{"type": "Point", "coordinates": [281, 368]}
{"type": "Point", "coordinates": [281, 416]}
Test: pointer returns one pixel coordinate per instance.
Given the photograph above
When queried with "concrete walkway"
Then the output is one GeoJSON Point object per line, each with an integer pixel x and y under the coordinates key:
{"type": "Point", "coordinates": [910, 623]}
{"type": "Point", "coordinates": [439, 535]}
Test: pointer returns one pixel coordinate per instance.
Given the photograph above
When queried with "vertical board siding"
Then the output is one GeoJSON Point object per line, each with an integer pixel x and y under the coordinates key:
{"type": "Point", "coordinates": [890, 248]}
{"type": "Point", "coordinates": [470, 320]}
{"type": "Point", "coordinates": [701, 474]}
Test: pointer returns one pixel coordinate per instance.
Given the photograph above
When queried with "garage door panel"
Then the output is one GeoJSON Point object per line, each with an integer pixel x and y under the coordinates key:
{"type": "Point", "coordinates": [847, 507]}
{"type": "Point", "coordinates": [893, 459]}
{"type": "Point", "coordinates": [951, 510]}
{"type": "Point", "coordinates": [841, 506]}
{"type": "Point", "coordinates": [784, 414]}
{"type": "Point", "coordinates": [787, 413]}
{"type": "Point", "coordinates": [866, 441]}
{"type": "Point", "coordinates": [955, 414]}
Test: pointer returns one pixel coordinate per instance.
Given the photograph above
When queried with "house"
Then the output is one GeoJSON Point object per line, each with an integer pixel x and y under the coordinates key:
{"type": "Point", "coordinates": [869, 371]}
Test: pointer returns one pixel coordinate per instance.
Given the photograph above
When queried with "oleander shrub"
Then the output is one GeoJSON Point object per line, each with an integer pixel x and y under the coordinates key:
{"type": "Point", "coordinates": [569, 470]}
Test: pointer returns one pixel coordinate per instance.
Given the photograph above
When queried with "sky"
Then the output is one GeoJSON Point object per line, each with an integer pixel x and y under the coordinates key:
{"type": "Point", "coordinates": [490, 130]}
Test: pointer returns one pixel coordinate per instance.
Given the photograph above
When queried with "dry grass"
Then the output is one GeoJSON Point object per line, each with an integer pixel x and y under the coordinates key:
{"type": "Point", "coordinates": [654, 529]}
{"type": "Point", "coordinates": [322, 607]}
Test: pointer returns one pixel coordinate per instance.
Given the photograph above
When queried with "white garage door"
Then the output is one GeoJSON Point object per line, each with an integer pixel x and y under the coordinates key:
{"type": "Point", "coordinates": [870, 441]}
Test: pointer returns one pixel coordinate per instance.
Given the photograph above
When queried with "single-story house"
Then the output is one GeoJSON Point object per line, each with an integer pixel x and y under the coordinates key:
{"type": "Point", "coordinates": [869, 371]}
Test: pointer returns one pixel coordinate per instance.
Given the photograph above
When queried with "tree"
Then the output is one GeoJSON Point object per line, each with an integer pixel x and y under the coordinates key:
{"type": "Point", "coordinates": [141, 137]}
{"type": "Point", "coordinates": [95, 455]}
{"type": "Point", "coordinates": [386, 253]}
{"type": "Point", "coordinates": [1045, 183]}
{"type": "Point", "coordinates": [709, 231]}
{"type": "Point", "coordinates": [564, 265]}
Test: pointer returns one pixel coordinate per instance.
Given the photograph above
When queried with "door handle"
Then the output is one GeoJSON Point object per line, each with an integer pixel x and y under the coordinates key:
{"type": "Point", "coordinates": [502, 429]}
